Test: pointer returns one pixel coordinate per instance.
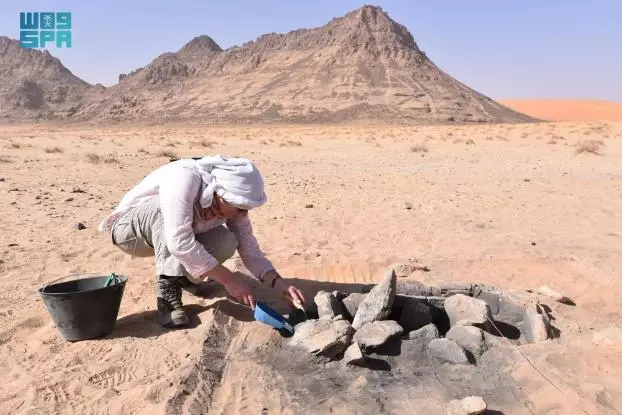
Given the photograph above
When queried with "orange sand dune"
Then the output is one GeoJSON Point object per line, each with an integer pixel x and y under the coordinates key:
{"type": "Point", "coordinates": [567, 110]}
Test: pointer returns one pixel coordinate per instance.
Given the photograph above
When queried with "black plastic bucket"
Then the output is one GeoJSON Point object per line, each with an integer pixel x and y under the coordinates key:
{"type": "Point", "coordinates": [84, 308]}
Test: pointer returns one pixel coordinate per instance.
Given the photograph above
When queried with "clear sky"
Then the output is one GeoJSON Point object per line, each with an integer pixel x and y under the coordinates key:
{"type": "Point", "coordinates": [502, 48]}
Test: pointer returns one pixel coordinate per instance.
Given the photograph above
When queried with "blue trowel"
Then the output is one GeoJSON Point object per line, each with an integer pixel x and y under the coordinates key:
{"type": "Point", "coordinates": [268, 316]}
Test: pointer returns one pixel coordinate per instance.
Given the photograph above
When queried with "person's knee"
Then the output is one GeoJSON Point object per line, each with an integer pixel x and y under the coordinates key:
{"type": "Point", "coordinates": [226, 246]}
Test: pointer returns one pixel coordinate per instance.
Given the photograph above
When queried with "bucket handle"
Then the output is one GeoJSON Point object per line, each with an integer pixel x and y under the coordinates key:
{"type": "Point", "coordinates": [112, 274]}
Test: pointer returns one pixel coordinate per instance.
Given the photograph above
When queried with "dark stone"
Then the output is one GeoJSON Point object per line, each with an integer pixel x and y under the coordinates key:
{"type": "Point", "coordinates": [415, 314]}
{"type": "Point", "coordinates": [339, 295]}
{"type": "Point", "coordinates": [79, 226]}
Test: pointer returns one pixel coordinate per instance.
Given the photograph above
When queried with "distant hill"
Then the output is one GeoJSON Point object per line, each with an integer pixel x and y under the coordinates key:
{"type": "Point", "coordinates": [362, 66]}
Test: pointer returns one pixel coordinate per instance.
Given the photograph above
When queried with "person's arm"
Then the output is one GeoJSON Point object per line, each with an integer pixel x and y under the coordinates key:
{"type": "Point", "coordinates": [178, 192]}
{"type": "Point", "coordinates": [248, 247]}
{"type": "Point", "coordinates": [256, 262]}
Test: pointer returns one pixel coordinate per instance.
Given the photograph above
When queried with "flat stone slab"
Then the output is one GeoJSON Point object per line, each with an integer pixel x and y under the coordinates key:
{"type": "Point", "coordinates": [323, 337]}
{"type": "Point", "coordinates": [377, 333]}
{"type": "Point", "coordinates": [467, 311]}
{"type": "Point", "coordinates": [447, 351]}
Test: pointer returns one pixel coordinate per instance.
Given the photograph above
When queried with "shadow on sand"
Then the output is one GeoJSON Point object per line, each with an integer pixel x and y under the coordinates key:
{"type": "Point", "coordinates": [144, 324]}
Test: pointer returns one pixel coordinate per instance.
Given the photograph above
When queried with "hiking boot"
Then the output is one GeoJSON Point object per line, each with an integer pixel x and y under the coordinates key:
{"type": "Point", "coordinates": [171, 311]}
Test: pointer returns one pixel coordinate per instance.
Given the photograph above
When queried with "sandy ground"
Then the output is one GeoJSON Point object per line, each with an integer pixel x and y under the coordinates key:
{"type": "Point", "coordinates": [512, 206]}
{"type": "Point", "coordinates": [568, 110]}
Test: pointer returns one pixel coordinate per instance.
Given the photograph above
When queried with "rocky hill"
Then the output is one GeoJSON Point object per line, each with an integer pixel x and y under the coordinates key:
{"type": "Point", "coordinates": [362, 66]}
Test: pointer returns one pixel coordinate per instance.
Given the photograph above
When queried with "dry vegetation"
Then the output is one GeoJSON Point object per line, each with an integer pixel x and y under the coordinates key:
{"type": "Point", "coordinates": [419, 148]}
{"type": "Point", "coordinates": [51, 150]}
{"type": "Point", "coordinates": [589, 146]}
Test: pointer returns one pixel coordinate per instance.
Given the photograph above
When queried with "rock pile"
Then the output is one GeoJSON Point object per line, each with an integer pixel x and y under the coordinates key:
{"type": "Point", "coordinates": [453, 323]}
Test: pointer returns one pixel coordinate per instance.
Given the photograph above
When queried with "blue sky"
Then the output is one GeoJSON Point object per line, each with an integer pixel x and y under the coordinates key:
{"type": "Point", "coordinates": [502, 48]}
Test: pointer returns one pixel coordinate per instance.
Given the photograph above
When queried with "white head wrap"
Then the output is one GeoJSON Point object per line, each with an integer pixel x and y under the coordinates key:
{"type": "Point", "coordinates": [236, 180]}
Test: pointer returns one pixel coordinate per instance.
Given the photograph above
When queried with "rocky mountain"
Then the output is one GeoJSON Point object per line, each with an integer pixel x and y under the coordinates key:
{"type": "Point", "coordinates": [34, 84]}
{"type": "Point", "coordinates": [362, 66]}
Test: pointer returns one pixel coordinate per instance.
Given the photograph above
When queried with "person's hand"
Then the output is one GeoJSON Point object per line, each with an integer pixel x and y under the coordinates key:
{"type": "Point", "coordinates": [290, 292]}
{"type": "Point", "coordinates": [240, 290]}
{"type": "Point", "coordinates": [293, 295]}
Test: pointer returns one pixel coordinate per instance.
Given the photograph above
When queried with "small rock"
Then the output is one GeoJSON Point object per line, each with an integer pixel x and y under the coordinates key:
{"type": "Point", "coordinates": [79, 226]}
{"type": "Point", "coordinates": [415, 315]}
{"type": "Point", "coordinates": [353, 355]}
{"type": "Point", "coordinates": [447, 350]}
{"type": "Point", "coordinates": [536, 324]}
{"type": "Point", "coordinates": [323, 337]}
{"type": "Point", "coordinates": [471, 405]}
{"type": "Point", "coordinates": [413, 288]}
{"type": "Point", "coordinates": [352, 303]}
{"type": "Point", "coordinates": [533, 244]}
{"type": "Point", "coordinates": [378, 302]}
{"type": "Point", "coordinates": [469, 338]}
{"type": "Point", "coordinates": [11, 245]}
{"type": "Point", "coordinates": [69, 199]}
{"type": "Point", "coordinates": [456, 287]}
{"type": "Point", "coordinates": [549, 292]}
{"type": "Point", "coordinates": [328, 306]}
{"type": "Point", "coordinates": [408, 205]}
{"type": "Point", "coordinates": [403, 270]}
{"type": "Point", "coordinates": [467, 311]}
{"type": "Point", "coordinates": [308, 205]}
{"type": "Point", "coordinates": [375, 334]}
{"type": "Point", "coordinates": [490, 298]}
{"type": "Point", "coordinates": [1, 179]}
{"type": "Point", "coordinates": [425, 334]}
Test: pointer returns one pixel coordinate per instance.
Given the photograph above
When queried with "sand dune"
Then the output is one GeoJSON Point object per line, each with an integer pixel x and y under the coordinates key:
{"type": "Point", "coordinates": [511, 205]}
{"type": "Point", "coordinates": [567, 110]}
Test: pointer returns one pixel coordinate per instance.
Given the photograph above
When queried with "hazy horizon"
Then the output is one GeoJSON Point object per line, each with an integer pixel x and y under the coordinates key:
{"type": "Point", "coordinates": [556, 50]}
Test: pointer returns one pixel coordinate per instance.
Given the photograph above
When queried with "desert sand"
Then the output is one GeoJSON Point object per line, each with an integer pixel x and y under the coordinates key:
{"type": "Point", "coordinates": [516, 206]}
{"type": "Point", "coordinates": [568, 110]}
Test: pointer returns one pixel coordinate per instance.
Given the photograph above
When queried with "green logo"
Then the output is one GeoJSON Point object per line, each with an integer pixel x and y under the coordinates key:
{"type": "Point", "coordinates": [37, 29]}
